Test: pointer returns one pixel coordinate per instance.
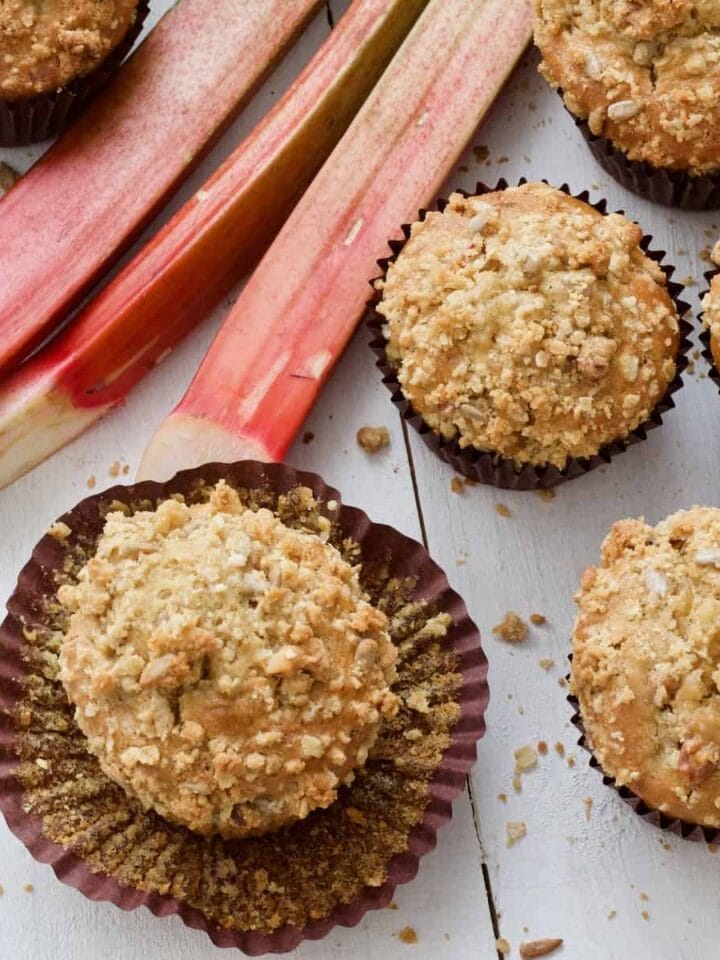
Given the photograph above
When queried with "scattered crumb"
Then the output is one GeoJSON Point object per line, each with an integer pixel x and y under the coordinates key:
{"type": "Point", "coordinates": [644, 914]}
{"type": "Point", "coordinates": [546, 663]}
{"type": "Point", "coordinates": [644, 897]}
{"type": "Point", "coordinates": [502, 945]}
{"type": "Point", "coordinates": [688, 281]}
{"type": "Point", "coordinates": [456, 485]}
{"type": "Point", "coordinates": [525, 759]}
{"type": "Point", "coordinates": [542, 747]}
{"type": "Point", "coordinates": [392, 906]}
{"type": "Point", "coordinates": [517, 783]}
{"type": "Point", "coordinates": [712, 847]}
{"type": "Point", "coordinates": [503, 159]}
{"type": "Point", "coordinates": [539, 948]}
{"type": "Point", "coordinates": [668, 846]}
{"type": "Point", "coordinates": [587, 803]}
{"type": "Point", "coordinates": [91, 482]}
{"type": "Point", "coordinates": [408, 935]}
{"type": "Point", "coordinates": [547, 496]}
{"type": "Point", "coordinates": [502, 510]}
{"type": "Point", "coordinates": [308, 437]}
{"type": "Point", "coordinates": [28, 887]}
{"type": "Point", "coordinates": [537, 619]}
{"type": "Point", "coordinates": [462, 558]}
{"type": "Point", "coordinates": [463, 168]}
{"type": "Point", "coordinates": [512, 629]}
{"type": "Point", "coordinates": [126, 470]}
{"type": "Point", "coordinates": [60, 531]}
{"type": "Point", "coordinates": [114, 470]}
{"type": "Point", "coordinates": [8, 177]}
{"type": "Point", "coordinates": [502, 797]}
{"type": "Point", "coordinates": [562, 682]}
{"type": "Point", "coordinates": [2, 889]}
{"type": "Point", "coordinates": [682, 253]}
{"type": "Point", "coordinates": [372, 439]}
{"type": "Point", "coordinates": [705, 255]}
{"type": "Point", "coordinates": [481, 152]}
{"type": "Point", "coordinates": [612, 915]}
{"type": "Point", "coordinates": [571, 761]}
{"type": "Point", "coordinates": [690, 369]}
{"type": "Point", "coordinates": [516, 830]}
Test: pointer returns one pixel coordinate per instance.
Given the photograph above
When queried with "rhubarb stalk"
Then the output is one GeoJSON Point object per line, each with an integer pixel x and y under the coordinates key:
{"type": "Point", "coordinates": [204, 249]}
{"type": "Point", "coordinates": [68, 220]}
{"type": "Point", "coordinates": [265, 368]}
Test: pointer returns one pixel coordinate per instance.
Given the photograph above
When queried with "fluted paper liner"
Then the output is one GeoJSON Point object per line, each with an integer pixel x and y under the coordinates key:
{"type": "Point", "coordinates": [357, 851]}
{"type": "Point", "coordinates": [491, 468]}
{"type": "Point", "coordinates": [45, 115]}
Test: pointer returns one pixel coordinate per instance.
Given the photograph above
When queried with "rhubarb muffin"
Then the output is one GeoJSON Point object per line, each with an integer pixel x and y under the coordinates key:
{"type": "Point", "coordinates": [526, 325]}
{"type": "Point", "coordinates": [53, 46]}
{"type": "Point", "coordinates": [645, 78]}
{"type": "Point", "coordinates": [646, 662]}
{"type": "Point", "coordinates": [227, 670]}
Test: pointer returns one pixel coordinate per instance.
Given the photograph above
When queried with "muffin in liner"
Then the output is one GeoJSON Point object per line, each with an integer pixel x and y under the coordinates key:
{"type": "Point", "coordinates": [681, 828]}
{"type": "Point", "coordinates": [264, 894]}
{"type": "Point", "coordinates": [32, 119]}
{"type": "Point", "coordinates": [491, 468]}
{"type": "Point", "coordinates": [672, 188]}
{"type": "Point", "coordinates": [713, 371]}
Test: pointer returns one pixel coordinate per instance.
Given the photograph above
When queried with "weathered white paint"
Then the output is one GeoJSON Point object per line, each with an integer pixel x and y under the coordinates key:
{"type": "Point", "coordinates": [568, 873]}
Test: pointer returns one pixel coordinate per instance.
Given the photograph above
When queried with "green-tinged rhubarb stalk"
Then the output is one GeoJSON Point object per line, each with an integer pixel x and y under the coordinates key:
{"type": "Point", "coordinates": [69, 219]}
{"type": "Point", "coordinates": [267, 365]}
{"type": "Point", "coordinates": [204, 249]}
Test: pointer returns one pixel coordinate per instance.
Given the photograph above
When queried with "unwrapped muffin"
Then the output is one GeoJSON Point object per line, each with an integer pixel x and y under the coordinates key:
{"type": "Point", "coordinates": [645, 78]}
{"type": "Point", "coordinates": [525, 324]}
{"type": "Point", "coordinates": [646, 662]}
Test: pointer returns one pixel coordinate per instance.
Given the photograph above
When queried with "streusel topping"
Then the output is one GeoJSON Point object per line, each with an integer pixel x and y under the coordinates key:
{"type": "Point", "coordinates": [526, 323]}
{"type": "Point", "coordinates": [46, 43]}
{"type": "Point", "coordinates": [646, 665]}
{"type": "Point", "coordinates": [226, 669]}
{"type": "Point", "coordinates": [645, 73]}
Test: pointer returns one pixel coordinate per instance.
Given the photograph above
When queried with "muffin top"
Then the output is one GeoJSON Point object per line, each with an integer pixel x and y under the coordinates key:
{"type": "Point", "coordinates": [227, 670]}
{"type": "Point", "coordinates": [644, 73]}
{"type": "Point", "coordinates": [47, 43]}
{"type": "Point", "coordinates": [711, 308]}
{"type": "Point", "coordinates": [646, 665]}
{"type": "Point", "coordinates": [526, 323]}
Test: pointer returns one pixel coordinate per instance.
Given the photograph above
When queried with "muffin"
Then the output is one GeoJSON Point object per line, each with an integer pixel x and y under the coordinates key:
{"type": "Point", "coordinates": [236, 700]}
{"type": "Point", "coordinates": [55, 53]}
{"type": "Point", "coordinates": [646, 662]}
{"type": "Point", "coordinates": [711, 317]}
{"type": "Point", "coordinates": [644, 80]}
{"type": "Point", "coordinates": [525, 327]}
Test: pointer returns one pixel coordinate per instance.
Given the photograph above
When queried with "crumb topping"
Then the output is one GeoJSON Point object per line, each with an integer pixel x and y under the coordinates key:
{"type": "Point", "coordinates": [644, 73]}
{"type": "Point", "coordinates": [646, 666]}
{"type": "Point", "coordinates": [526, 323]}
{"type": "Point", "coordinates": [227, 670]}
{"type": "Point", "coordinates": [47, 43]}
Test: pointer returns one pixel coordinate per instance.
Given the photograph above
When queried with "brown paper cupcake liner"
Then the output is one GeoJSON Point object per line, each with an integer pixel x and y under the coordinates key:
{"type": "Point", "coordinates": [680, 828]}
{"type": "Point", "coordinates": [32, 119]}
{"type": "Point", "coordinates": [490, 468]}
{"type": "Point", "coordinates": [713, 371]}
{"type": "Point", "coordinates": [267, 894]}
{"type": "Point", "coordinates": [672, 188]}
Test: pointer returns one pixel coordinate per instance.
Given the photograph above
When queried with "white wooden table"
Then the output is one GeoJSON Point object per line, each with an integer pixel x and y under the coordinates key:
{"type": "Point", "coordinates": [611, 886]}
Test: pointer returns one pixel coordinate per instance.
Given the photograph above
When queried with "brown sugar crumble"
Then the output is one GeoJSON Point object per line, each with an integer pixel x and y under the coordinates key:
{"type": "Point", "coordinates": [512, 629]}
{"type": "Point", "coordinates": [373, 439]}
{"type": "Point", "coordinates": [539, 948]}
{"type": "Point", "coordinates": [408, 936]}
{"type": "Point", "coordinates": [537, 619]}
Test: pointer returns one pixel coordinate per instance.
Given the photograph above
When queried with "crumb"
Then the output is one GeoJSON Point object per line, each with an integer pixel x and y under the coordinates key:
{"type": "Point", "coordinates": [481, 153]}
{"type": "Point", "coordinates": [517, 783]}
{"type": "Point", "coordinates": [60, 531]}
{"type": "Point", "coordinates": [542, 747]}
{"type": "Point", "coordinates": [560, 749]}
{"type": "Point", "coordinates": [462, 558]}
{"type": "Point", "coordinates": [562, 682]}
{"type": "Point", "coordinates": [503, 159]}
{"type": "Point", "coordinates": [2, 889]}
{"type": "Point", "coordinates": [408, 935]}
{"type": "Point", "coordinates": [392, 906]}
{"type": "Point", "coordinates": [308, 437]}
{"type": "Point", "coordinates": [126, 470]}
{"type": "Point", "coordinates": [712, 847]}
{"type": "Point", "coordinates": [539, 948]}
{"type": "Point", "coordinates": [91, 482]}
{"type": "Point", "coordinates": [690, 367]}
{"type": "Point", "coordinates": [644, 897]}
{"type": "Point", "coordinates": [502, 797]}
{"type": "Point", "coordinates": [525, 759]}
{"type": "Point", "coordinates": [28, 887]}
{"type": "Point", "coordinates": [114, 470]}
{"type": "Point", "coordinates": [447, 936]}
{"type": "Point", "coordinates": [587, 803]}
{"type": "Point", "coordinates": [8, 177]}
{"type": "Point", "coordinates": [668, 846]}
{"type": "Point", "coordinates": [688, 281]}
{"type": "Point", "coordinates": [463, 168]}
{"type": "Point", "coordinates": [644, 914]}
{"type": "Point", "coordinates": [546, 663]}
{"type": "Point", "coordinates": [516, 830]}
{"type": "Point", "coordinates": [512, 629]}
{"type": "Point", "coordinates": [502, 945]}
{"type": "Point", "coordinates": [456, 485]}
{"type": "Point", "coordinates": [705, 255]}
{"type": "Point", "coordinates": [372, 439]}
{"type": "Point", "coordinates": [537, 619]}
{"type": "Point", "coordinates": [571, 761]}
{"type": "Point", "coordinates": [547, 496]}
{"type": "Point", "coordinates": [612, 915]}
{"type": "Point", "coordinates": [682, 253]}
{"type": "Point", "coordinates": [502, 510]}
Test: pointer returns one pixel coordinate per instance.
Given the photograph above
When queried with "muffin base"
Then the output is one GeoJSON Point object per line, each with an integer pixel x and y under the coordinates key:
{"type": "Point", "coordinates": [326, 870]}
{"type": "Point", "coordinates": [33, 119]}
{"type": "Point", "coordinates": [491, 468]}
{"type": "Point", "coordinates": [713, 371]}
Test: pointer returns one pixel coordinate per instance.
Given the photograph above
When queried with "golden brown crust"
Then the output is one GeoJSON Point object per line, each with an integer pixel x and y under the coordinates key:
{"type": "Point", "coordinates": [644, 73]}
{"type": "Point", "coordinates": [526, 323]}
{"type": "Point", "coordinates": [646, 664]}
{"type": "Point", "coordinates": [44, 44]}
{"type": "Point", "coordinates": [227, 670]}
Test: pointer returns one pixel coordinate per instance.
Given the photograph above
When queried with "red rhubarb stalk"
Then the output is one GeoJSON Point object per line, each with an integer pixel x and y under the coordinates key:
{"type": "Point", "coordinates": [279, 343]}
{"type": "Point", "coordinates": [69, 219]}
{"type": "Point", "coordinates": [204, 249]}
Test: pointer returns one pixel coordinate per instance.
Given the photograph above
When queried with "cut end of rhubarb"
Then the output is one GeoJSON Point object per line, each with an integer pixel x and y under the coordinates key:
{"type": "Point", "coordinates": [183, 442]}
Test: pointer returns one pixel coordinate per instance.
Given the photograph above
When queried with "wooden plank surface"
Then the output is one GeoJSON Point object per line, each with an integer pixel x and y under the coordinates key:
{"type": "Point", "coordinates": [569, 873]}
